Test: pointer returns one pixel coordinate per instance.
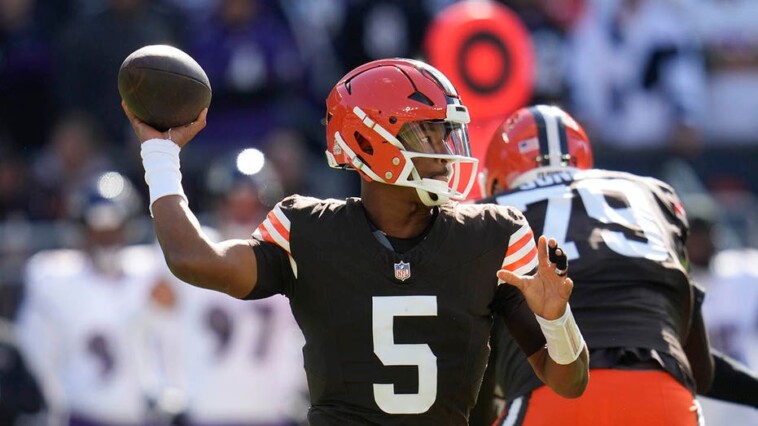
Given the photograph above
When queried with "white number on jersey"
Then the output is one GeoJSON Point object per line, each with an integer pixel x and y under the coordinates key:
{"type": "Point", "coordinates": [638, 215]}
{"type": "Point", "coordinates": [385, 309]}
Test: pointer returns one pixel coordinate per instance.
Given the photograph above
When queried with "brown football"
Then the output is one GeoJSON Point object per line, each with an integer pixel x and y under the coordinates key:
{"type": "Point", "coordinates": [163, 86]}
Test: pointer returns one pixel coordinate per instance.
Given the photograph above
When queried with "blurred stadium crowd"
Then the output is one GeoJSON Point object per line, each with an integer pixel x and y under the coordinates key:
{"type": "Point", "coordinates": [666, 88]}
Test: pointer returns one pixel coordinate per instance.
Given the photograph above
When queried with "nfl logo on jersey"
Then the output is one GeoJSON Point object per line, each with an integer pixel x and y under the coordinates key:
{"type": "Point", "coordinates": [402, 270]}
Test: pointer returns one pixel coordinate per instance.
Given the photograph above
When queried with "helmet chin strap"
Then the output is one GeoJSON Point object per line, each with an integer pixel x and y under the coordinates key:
{"type": "Point", "coordinates": [429, 200]}
{"type": "Point", "coordinates": [432, 198]}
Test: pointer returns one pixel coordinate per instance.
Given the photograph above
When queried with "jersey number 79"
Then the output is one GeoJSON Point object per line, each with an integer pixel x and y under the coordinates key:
{"type": "Point", "coordinates": [639, 215]}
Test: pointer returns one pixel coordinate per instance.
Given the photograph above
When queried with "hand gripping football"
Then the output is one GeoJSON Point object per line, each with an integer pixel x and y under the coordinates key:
{"type": "Point", "coordinates": [163, 86]}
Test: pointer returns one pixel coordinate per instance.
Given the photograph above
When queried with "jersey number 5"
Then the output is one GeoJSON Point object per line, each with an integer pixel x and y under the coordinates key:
{"type": "Point", "coordinates": [384, 311]}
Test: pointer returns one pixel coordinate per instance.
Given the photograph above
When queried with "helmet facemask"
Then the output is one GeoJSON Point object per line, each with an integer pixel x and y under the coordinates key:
{"type": "Point", "coordinates": [445, 140]}
{"type": "Point", "coordinates": [437, 140]}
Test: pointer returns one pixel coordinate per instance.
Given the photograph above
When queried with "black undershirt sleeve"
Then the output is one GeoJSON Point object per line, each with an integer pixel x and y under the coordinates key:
{"type": "Point", "coordinates": [733, 382]}
{"type": "Point", "coordinates": [274, 271]}
{"type": "Point", "coordinates": [519, 319]}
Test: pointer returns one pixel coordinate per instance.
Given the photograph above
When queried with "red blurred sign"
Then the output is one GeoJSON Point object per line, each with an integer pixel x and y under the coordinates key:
{"type": "Point", "coordinates": [486, 51]}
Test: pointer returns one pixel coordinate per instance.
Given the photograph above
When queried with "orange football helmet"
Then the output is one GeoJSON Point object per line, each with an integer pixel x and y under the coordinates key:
{"type": "Point", "coordinates": [383, 114]}
{"type": "Point", "coordinates": [532, 142]}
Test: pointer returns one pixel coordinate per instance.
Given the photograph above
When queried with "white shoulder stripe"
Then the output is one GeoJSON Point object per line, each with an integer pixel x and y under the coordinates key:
{"type": "Point", "coordinates": [282, 217]}
{"type": "Point", "coordinates": [528, 267]}
{"type": "Point", "coordinates": [523, 270]}
{"type": "Point", "coordinates": [518, 234]}
{"type": "Point", "coordinates": [293, 265]}
{"type": "Point", "coordinates": [278, 238]}
{"type": "Point", "coordinates": [523, 251]}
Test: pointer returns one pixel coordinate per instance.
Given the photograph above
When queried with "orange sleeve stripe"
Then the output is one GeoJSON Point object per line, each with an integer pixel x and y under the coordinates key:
{"type": "Point", "coordinates": [520, 243]}
{"type": "Point", "coordinates": [264, 233]}
{"type": "Point", "coordinates": [277, 224]}
{"type": "Point", "coordinates": [528, 257]}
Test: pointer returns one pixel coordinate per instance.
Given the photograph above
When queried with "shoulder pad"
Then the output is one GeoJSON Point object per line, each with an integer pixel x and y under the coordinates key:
{"type": "Point", "coordinates": [668, 199]}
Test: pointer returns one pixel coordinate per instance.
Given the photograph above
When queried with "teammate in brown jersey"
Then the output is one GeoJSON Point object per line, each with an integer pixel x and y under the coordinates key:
{"type": "Point", "coordinates": [624, 237]}
{"type": "Point", "coordinates": [394, 291]}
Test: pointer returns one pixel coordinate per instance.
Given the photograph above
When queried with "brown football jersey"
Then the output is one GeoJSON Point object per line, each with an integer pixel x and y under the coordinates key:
{"type": "Point", "coordinates": [624, 237]}
{"type": "Point", "coordinates": [395, 338]}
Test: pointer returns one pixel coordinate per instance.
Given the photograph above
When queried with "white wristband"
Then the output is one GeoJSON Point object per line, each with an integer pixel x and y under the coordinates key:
{"type": "Point", "coordinates": [160, 158]}
{"type": "Point", "coordinates": [564, 340]}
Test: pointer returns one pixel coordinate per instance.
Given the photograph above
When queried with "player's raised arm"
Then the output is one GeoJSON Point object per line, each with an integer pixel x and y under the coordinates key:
{"type": "Point", "coordinates": [564, 364]}
{"type": "Point", "coordinates": [229, 266]}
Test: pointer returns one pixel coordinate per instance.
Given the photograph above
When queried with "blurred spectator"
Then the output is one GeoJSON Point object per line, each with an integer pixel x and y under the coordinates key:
{"type": "Point", "coordinates": [15, 187]}
{"type": "Point", "coordinates": [21, 394]}
{"type": "Point", "coordinates": [314, 25]}
{"type": "Point", "coordinates": [731, 308]}
{"type": "Point", "coordinates": [739, 208]}
{"type": "Point", "coordinates": [729, 34]}
{"type": "Point", "coordinates": [36, 195]}
{"type": "Point", "coordinates": [255, 70]}
{"type": "Point", "coordinates": [637, 75]}
{"type": "Point", "coordinates": [26, 76]}
{"type": "Point", "coordinates": [15, 249]}
{"type": "Point", "coordinates": [300, 171]}
{"type": "Point", "coordinates": [726, 201]}
{"type": "Point", "coordinates": [549, 22]}
{"type": "Point", "coordinates": [82, 320]}
{"type": "Point", "coordinates": [240, 208]}
{"type": "Point", "coordinates": [93, 46]}
{"type": "Point", "coordinates": [382, 29]}
{"type": "Point", "coordinates": [242, 189]}
{"type": "Point", "coordinates": [69, 162]}
{"type": "Point", "coordinates": [193, 7]}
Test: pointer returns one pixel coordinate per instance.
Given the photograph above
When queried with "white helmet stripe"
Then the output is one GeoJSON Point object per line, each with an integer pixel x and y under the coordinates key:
{"type": "Point", "coordinates": [377, 128]}
{"type": "Point", "coordinates": [553, 134]}
{"type": "Point", "coordinates": [458, 113]}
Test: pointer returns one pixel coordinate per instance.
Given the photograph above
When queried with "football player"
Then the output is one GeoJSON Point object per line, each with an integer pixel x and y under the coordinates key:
{"type": "Point", "coordinates": [730, 310]}
{"type": "Point", "coordinates": [624, 236]}
{"type": "Point", "coordinates": [394, 291]}
{"type": "Point", "coordinates": [240, 362]}
{"type": "Point", "coordinates": [82, 322]}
